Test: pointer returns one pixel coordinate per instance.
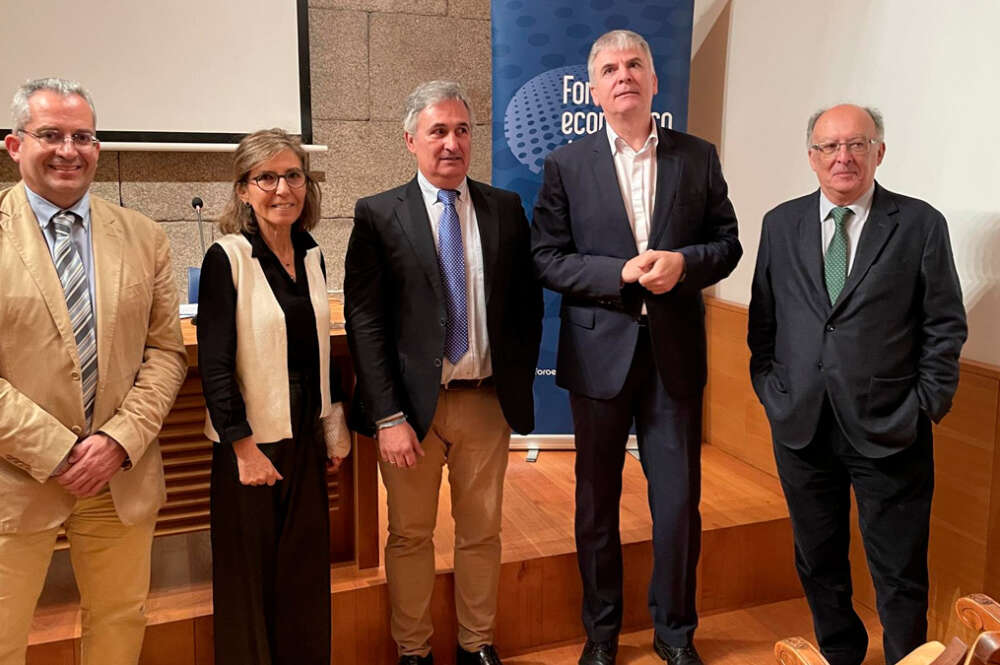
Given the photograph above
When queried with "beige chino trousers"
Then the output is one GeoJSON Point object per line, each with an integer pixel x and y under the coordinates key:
{"type": "Point", "coordinates": [471, 436]}
{"type": "Point", "coordinates": [111, 563]}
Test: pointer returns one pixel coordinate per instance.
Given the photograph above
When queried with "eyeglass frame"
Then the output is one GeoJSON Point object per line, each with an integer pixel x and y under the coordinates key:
{"type": "Point", "coordinates": [866, 141]}
{"type": "Point", "coordinates": [88, 145]}
{"type": "Point", "coordinates": [279, 176]}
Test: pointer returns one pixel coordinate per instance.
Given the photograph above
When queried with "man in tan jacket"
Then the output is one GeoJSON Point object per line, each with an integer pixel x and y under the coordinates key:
{"type": "Point", "coordinates": [91, 359]}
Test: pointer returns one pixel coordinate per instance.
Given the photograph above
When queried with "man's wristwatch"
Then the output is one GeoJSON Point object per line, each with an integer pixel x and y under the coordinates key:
{"type": "Point", "coordinates": [391, 422]}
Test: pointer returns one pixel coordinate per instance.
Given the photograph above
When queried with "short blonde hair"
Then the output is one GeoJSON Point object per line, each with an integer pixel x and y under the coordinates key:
{"type": "Point", "coordinates": [253, 150]}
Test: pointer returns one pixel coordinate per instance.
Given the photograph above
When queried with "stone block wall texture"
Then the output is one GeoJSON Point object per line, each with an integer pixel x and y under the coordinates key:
{"type": "Point", "coordinates": [365, 57]}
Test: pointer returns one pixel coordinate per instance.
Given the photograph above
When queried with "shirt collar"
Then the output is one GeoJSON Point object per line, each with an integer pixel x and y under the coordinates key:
{"type": "Point", "coordinates": [860, 207]}
{"type": "Point", "coordinates": [44, 209]}
{"type": "Point", "coordinates": [613, 137]}
{"type": "Point", "coordinates": [430, 192]}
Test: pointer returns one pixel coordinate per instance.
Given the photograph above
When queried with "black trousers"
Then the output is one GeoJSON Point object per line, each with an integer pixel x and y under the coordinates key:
{"type": "Point", "coordinates": [270, 549]}
{"type": "Point", "coordinates": [894, 505]}
{"type": "Point", "coordinates": [669, 436]}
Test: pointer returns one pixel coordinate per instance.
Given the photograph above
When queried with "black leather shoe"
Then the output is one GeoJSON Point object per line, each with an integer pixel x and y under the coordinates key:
{"type": "Point", "coordinates": [417, 660]}
{"type": "Point", "coordinates": [675, 655]}
{"type": "Point", "coordinates": [599, 653]}
{"type": "Point", "coordinates": [486, 655]}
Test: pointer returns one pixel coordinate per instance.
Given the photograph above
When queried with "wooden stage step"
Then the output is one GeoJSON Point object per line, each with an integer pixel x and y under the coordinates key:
{"type": "Point", "coordinates": [746, 560]}
{"type": "Point", "coordinates": [740, 637]}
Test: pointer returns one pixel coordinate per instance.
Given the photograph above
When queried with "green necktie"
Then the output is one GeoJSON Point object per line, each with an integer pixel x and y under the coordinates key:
{"type": "Point", "coordinates": [835, 260]}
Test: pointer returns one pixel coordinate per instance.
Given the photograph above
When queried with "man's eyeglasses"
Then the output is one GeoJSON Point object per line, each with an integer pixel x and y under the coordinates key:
{"type": "Point", "coordinates": [53, 138]}
{"type": "Point", "coordinates": [858, 146]}
{"type": "Point", "coordinates": [268, 181]}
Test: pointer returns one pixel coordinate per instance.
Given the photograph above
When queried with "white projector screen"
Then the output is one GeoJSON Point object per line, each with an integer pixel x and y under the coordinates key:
{"type": "Point", "coordinates": [205, 71]}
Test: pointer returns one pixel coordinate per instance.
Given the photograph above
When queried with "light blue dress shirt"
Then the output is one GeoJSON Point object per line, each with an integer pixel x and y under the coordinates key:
{"type": "Point", "coordinates": [44, 211]}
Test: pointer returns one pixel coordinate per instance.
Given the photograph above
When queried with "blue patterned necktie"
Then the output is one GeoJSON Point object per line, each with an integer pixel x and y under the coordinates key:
{"type": "Point", "coordinates": [835, 260]}
{"type": "Point", "coordinates": [81, 314]}
{"type": "Point", "coordinates": [451, 260]}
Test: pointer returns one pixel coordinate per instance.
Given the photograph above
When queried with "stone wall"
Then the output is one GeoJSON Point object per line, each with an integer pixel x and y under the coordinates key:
{"type": "Point", "coordinates": [366, 56]}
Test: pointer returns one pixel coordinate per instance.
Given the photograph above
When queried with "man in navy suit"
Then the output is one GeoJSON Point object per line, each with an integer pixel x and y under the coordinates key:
{"type": "Point", "coordinates": [856, 324]}
{"type": "Point", "coordinates": [630, 225]}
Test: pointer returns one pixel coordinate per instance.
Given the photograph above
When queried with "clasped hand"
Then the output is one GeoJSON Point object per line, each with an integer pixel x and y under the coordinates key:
{"type": "Point", "coordinates": [656, 270]}
{"type": "Point", "coordinates": [92, 463]}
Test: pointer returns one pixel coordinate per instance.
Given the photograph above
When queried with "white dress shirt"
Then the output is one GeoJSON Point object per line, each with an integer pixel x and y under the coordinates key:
{"type": "Point", "coordinates": [853, 224]}
{"type": "Point", "coordinates": [476, 363]}
{"type": "Point", "coordinates": [636, 170]}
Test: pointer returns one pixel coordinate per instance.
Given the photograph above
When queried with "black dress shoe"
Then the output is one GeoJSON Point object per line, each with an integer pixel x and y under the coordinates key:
{"type": "Point", "coordinates": [417, 660]}
{"type": "Point", "coordinates": [675, 655]}
{"type": "Point", "coordinates": [599, 653]}
{"type": "Point", "coordinates": [486, 655]}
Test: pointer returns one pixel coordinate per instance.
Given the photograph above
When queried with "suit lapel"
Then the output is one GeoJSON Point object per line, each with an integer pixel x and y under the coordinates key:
{"type": "Point", "coordinates": [810, 242]}
{"type": "Point", "coordinates": [412, 216]}
{"type": "Point", "coordinates": [668, 174]}
{"type": "Point", "coordinates": [26, 236]}
{"type": "Point", "coordinates": [488, 219]}
{"type": "Point", "coordinates": [106, 239]}
{"type": "Point", "coordinates": [605, 176]}
{"type": "Point", "coordinates": [876, 233]}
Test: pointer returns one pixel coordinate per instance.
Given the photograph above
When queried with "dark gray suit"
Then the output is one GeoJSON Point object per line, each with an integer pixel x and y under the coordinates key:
{"type": "Point", "coordinates": [850, 390]}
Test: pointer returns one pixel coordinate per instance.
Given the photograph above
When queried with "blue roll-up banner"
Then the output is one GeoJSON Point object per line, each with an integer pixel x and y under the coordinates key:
{"type": "Point", "coordinates": [541, 100]}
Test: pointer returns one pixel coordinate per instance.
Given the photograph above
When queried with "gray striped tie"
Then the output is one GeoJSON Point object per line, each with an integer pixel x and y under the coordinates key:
{"type": "Point", "coordinates": [81, 313]}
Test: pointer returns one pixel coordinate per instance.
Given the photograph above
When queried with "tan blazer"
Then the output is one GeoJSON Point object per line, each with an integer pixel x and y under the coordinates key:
{"type": "Point", "coordinates": [140, 358]}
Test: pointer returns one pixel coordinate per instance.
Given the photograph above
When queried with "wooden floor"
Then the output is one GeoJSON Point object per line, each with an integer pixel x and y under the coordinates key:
{"type": "Point", "coordinates": [742, 637]}
{"type": "Point", "coordinates": [538, 507]}
{"type": "Point", "coordinates": [746, 537]}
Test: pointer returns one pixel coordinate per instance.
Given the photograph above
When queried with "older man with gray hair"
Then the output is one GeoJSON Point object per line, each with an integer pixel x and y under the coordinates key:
{"type": "Point", "coordinates": [856, 325]}
{"type": "Point", "coordinates": [444, 323]}
{"type": "Point", "coordinates": [90, 363]}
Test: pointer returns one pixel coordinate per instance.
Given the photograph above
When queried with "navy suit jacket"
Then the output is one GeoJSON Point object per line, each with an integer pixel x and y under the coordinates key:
{"type": "Point", "coordinates": [395, 306]}
{"type": "Point", "coordinates": [885, 351]}
{"type": "Point", "coordinates": [581, 239]}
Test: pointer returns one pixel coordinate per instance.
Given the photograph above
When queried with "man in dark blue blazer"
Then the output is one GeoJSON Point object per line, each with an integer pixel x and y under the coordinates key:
{"type": "Point", "coordinates": [630, 225]}
{"type": "Point", "coordinates": [856, 324]}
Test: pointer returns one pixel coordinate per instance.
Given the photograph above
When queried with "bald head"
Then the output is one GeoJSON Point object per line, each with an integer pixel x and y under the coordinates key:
{"type": "Point", "coordinates": [845, 148]}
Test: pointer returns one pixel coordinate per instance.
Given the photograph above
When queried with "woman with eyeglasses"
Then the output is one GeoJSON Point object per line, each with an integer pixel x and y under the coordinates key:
{"type": "Point", "coordinates": [274, 411]}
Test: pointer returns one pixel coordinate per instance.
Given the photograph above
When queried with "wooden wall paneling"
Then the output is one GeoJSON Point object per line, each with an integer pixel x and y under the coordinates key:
{"type": "Point", "coordinates": [366, 522]}
{"type": "Point", "coordinates": [992, 585]}
{"type": "Point", "coordinates": [65, 652]}
{"type": "Point", "coordinates": [360, 631]}
{"type": "Point", "coordinates": [763, 571]}
{"type": "Point", "coordinates": [562, 599]}
{"type": "Point", "coordinates": [519, 610]}
{"type": "Point", "coordinates": [169, 644]}
{"type": "Point", "coordinates": [204, 641]}
{"type": "Point", "coordinates": [734, 418]}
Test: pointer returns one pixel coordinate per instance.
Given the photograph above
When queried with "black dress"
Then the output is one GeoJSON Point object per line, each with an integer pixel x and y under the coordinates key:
{"type": "Point", "coordinates": [270, 545]}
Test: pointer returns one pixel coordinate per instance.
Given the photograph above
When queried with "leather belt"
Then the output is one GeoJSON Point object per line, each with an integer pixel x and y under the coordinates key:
{"type": "Point", "coordinates": [467, 384]}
